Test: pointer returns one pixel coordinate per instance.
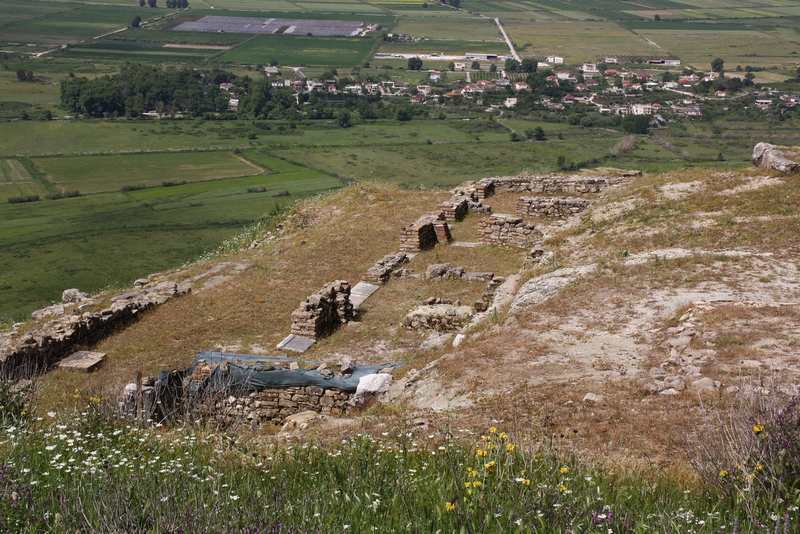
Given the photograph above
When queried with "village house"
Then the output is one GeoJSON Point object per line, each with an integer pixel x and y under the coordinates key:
{"type": "Point", "coordinates": [555, 59]}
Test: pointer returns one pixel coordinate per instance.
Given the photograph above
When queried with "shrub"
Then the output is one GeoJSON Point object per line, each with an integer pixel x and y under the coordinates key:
{"type": "Point", "coordinates": [132, 187]}
{"type": "Point", "coordinates": [282, 193]}
{"type": "Point", "coordinates": [172, 183]}
{"type": "Point", "coordinates": [20, 200]}
{"type": "Point", "coordinates": [256, 189]}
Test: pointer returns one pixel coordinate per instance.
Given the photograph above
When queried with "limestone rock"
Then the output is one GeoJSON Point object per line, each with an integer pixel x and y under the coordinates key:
{"type": "Point", "coordinates": [593, 399]}
{"type": "Point", "coordinates": [783, 159]}
{"type": "Point", "coordinates": [70, 296]}
{"type": "Point", "coordinates": [703, 384]}
{"type": "Point", "coordinates": [347, 366]}
{"type": "Point", "coordinates": [371, 386]}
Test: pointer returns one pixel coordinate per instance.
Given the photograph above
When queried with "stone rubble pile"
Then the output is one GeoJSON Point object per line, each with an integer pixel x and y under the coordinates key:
{"type": "Point", "coordinates": [441, 315]}
{"type": "Point", "coordinates": [37, 350]}
{"type": "Point", "coordinates": [323, 311]}
{"type": "Point", "coordinates": [440, 271]}
{"type": "Point", "coordinates": [683, 369]}
{"type": "Point", "coordinates": [380, 273]}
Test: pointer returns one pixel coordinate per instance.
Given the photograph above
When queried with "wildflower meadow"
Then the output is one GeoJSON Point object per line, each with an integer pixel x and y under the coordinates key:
{"type": "Point", "coordinates": [88, 471]}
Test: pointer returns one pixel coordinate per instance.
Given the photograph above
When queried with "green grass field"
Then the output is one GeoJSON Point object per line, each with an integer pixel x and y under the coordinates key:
{"type": "Point", "coordinates": [13, 11]}
{"type": "Point", "coordinates": [94, 174]}
{"type": "Point", "coordinates": [73, 25]}
{"type": "Point", "coordinates": [128, 51]}
{"type": "Point", "coordinates": [110, 238]}
{"type": "Point", "coordinates": [301, 50]}
{"type": "Point", "coordinates": [473, 30]}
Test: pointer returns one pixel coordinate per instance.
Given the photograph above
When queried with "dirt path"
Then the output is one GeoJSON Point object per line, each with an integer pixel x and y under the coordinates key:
{"type": "Point", "coordinates": [245, 160]}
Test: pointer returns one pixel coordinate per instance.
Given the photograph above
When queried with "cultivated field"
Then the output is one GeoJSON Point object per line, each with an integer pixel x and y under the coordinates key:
{"type": "Point", "coordinates": [559, 38]}
{"type": "Point", "coordinates": [302, 50]}
{"type": "Point", "coordinates": [72, 25]}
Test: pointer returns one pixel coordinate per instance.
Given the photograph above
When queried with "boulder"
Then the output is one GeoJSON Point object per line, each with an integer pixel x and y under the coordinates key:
{"type": "Point", "coordinates": [70, 296]}
{"type": "Point", "coordinates": [783, 159]}
{"type": "Point", "coordinates": [371, 386]}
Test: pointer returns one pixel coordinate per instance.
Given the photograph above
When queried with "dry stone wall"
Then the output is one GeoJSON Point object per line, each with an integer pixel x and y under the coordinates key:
{"type": "Point", "coordinates": [507, 230]}
{"type": "Point", "coordinates": [551, 207]}
{"type": "Point", "coordinates": [28, 354]}
{"type": "Point", "coordinates": [275, 405]}
{"type": "Point", "coordinates": [323, 311]}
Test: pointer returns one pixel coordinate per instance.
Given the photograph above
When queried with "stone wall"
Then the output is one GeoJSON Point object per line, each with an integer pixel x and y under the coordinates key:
{"type": "Point", "coordinates": [425, 233]}
{"type": "Point", "coordinates": [323, 311]}
{"type": "Point", "coordinates": [275, 405]}
{"type": "Point", "coordinates": [554, 184]}
{"type": "Point", "coordinates": [551, 207]}
{"type": "Point", "coordinates": [25, 355]}
{"type": "Point", "coordinates": [507, 230]}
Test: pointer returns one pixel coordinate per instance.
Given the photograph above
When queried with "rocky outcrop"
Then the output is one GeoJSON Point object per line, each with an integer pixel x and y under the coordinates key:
{"type": "Point", "coordinates": [783, 159]}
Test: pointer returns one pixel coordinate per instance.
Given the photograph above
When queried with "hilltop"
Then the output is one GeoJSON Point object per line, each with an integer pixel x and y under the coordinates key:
{"type": "Point", "coordinates": [670, 298]}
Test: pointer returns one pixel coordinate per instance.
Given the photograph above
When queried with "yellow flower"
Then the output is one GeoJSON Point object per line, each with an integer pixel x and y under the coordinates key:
{"type": "Point", "coordinates": [751, 476]}
{"type": "Point", "coordinates": [485, 438]}
{"type": "Point", "coordinates": [477, 484]}
{"type": "Point", "coordinates": [490, 446]}
{"type": "Point", "coordinates": [493, 430]}
{"type": "Point", "coordinates": [527, 482]}
{"type": "Point", "coordinates": [522, 472]}
{"type": "Point", "coordinates": [503, 436]}
{"type": "Point", "coordinates": [510, 447]}
{"type": "Point", "coordinates": [564, 470]}
{"type": "Point", "coordinates": [490, 465]}
{"type": "Point", "coordinates": [469, 492]}
{"type": "Point", "coordinates": [723, 473]}
{"type": "Point", "coordinates": [449, 506]}
{"type": "Point", "coordinates": [759, 467]}
{"type": "Point", "coordinates": [759, 428]}
{"type": "Point", "coordinates": [562, 488]}
{"type": "Point", "coordinates": [467, 484]}
{"type": "Point", "coordinates": [482, 452]}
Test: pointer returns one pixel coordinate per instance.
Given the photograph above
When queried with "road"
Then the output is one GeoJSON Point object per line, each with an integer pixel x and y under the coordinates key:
{"type": "Point", "coordinates": [508, 40]}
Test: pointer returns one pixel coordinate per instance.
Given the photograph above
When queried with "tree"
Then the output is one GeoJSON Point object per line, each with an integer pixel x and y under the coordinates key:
{"type": "Point", "coordinates": [529, 65]}
{"type": "Point", "coordinates": [718, 64]}
{"type": "Point", "coordinates": [636, 124]}
{"type": "Point", "coordinates": [451, 67]}
{"type": "Point", "coordinates": [414, 63]}
{"type": "Point", "coordinates": [21, 75]}
{"type": "Point", "coordinates": [136, 21]}
{"type": "Point", "coordinates": [493, 67]}
{"type": "Point", "coordinates": [141, 3]}
{"type": "Point", "coordinates": [538, 134]}
{"type": "Point", "coordinates": [512, 65]}
{"type": "Point", "coordinates": [454, 3]}
{"type": "Point", "coordinates": [151, 3]}
{"type": "Point", "coordinates": [402, 114]}
{"type": "Point", "coordinates": [344, 119]}
{"type": "Point", "coordinates": [476, 65]}
{"type": "Point", "coordinates": [657, 18]}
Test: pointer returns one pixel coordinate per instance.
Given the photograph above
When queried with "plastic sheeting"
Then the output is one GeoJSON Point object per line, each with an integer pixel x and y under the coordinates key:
{"type": "Point", "coordinates": [246, 372]}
